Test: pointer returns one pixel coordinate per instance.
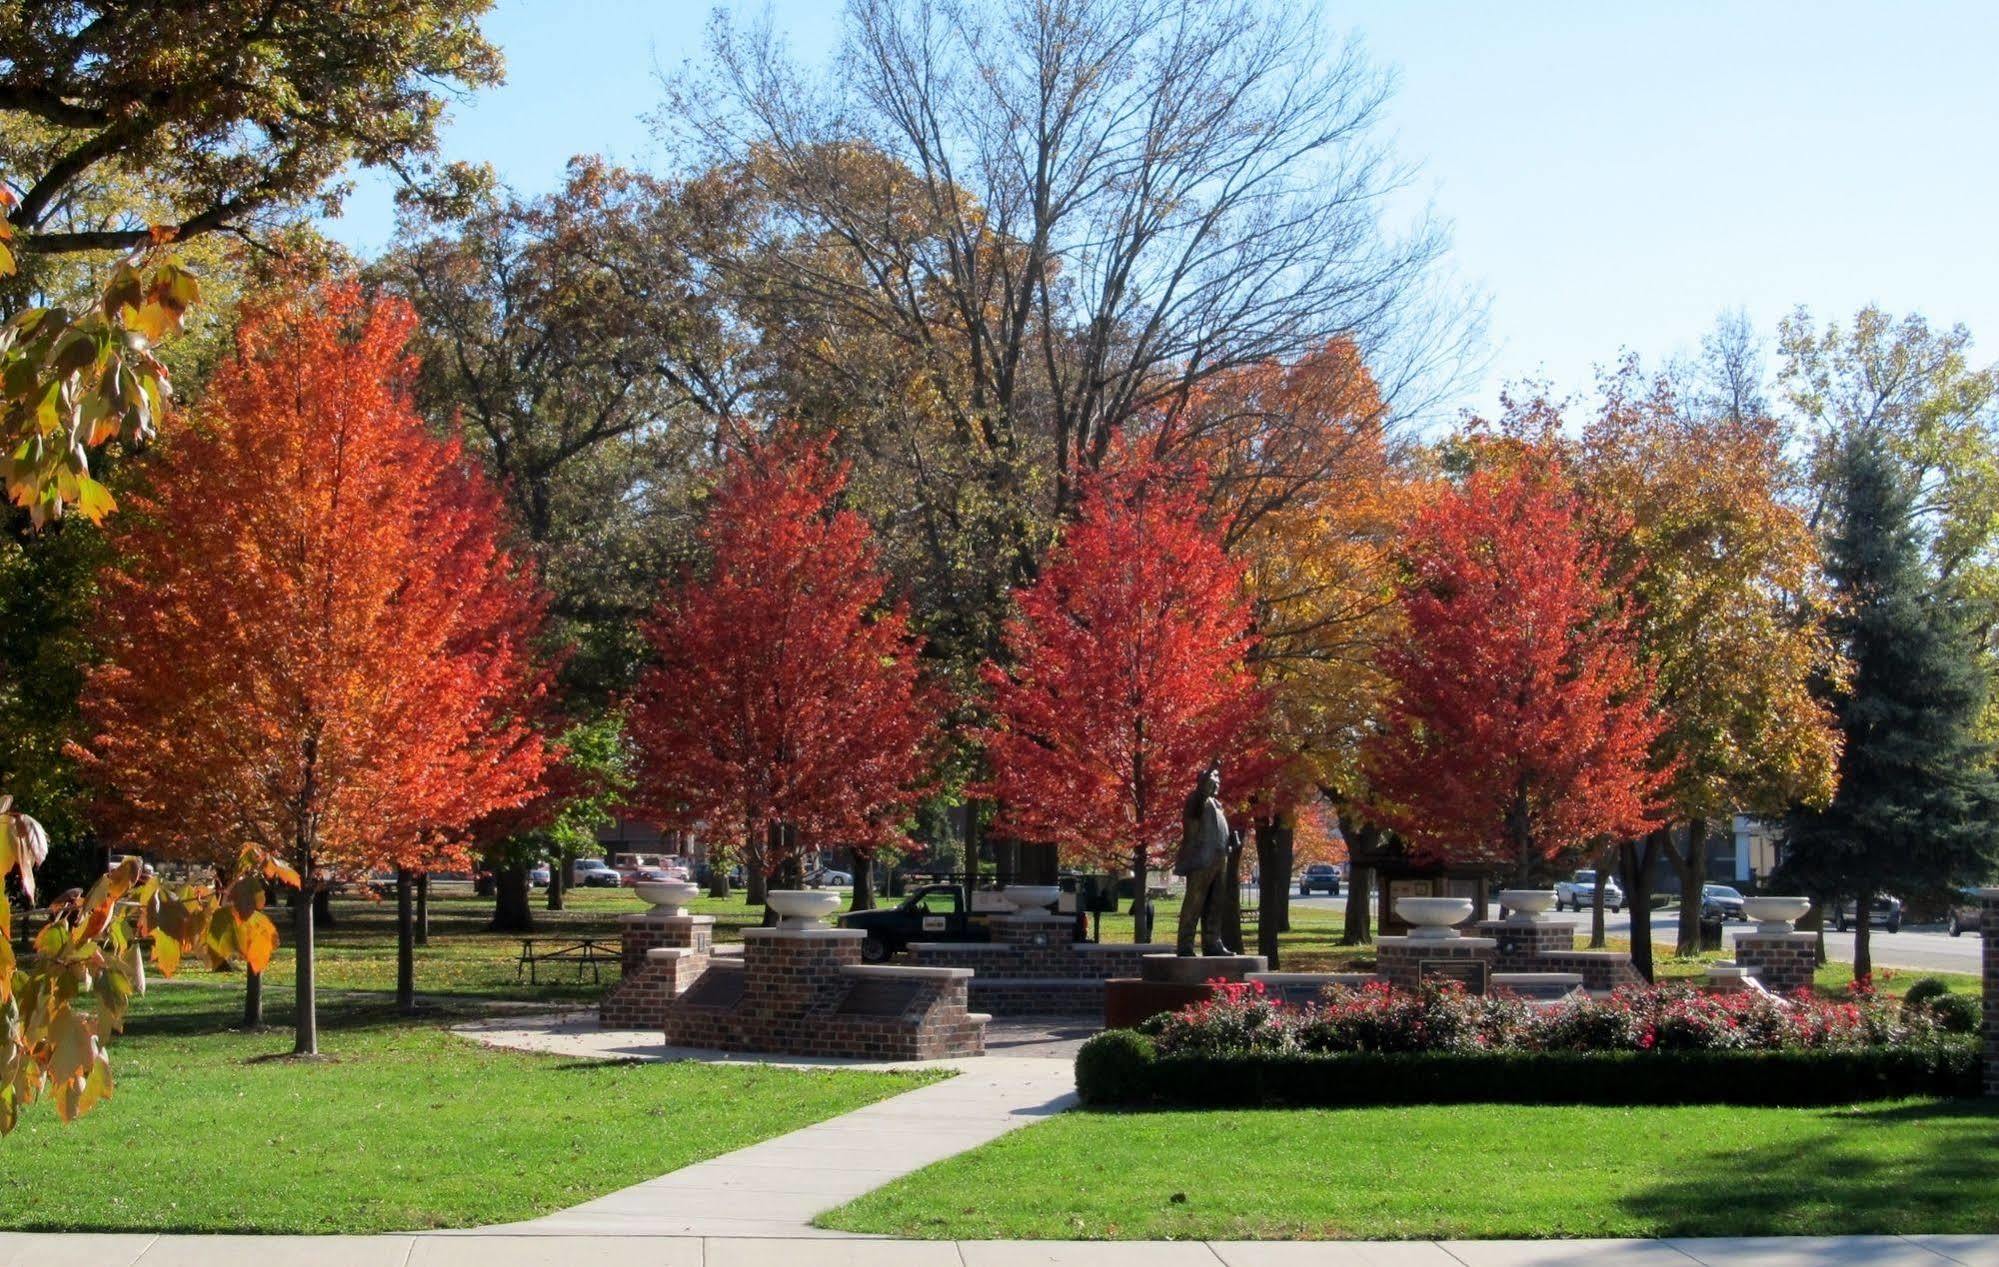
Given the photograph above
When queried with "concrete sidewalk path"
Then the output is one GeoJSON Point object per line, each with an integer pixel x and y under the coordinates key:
{"type": "Point", "coordinates": [773, 1189]}
{"type": "Point", "coordinates": [493, 1249]}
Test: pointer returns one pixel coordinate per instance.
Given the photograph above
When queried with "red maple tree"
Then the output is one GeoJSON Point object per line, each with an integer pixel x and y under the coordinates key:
{"type": "Point", "coordinates": [785, 708]}
{"type": "Point", "coordinates": [314, 639]}
{"type": "Point", "coordinates": [1126, 675]}
{"type": "Point", "coordinates": [1519, 720]}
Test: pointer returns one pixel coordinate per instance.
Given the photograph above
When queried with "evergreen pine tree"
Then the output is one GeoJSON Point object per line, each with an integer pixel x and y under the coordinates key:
{"type": "Point", "coordinates": [1915, 810]}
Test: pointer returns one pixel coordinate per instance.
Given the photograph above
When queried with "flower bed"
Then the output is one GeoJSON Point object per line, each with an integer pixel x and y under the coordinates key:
{"type": "Point", "coordinates": [1672, 1045]}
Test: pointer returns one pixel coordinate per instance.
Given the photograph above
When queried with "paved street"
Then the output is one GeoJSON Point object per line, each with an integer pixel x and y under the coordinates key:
{"type": "Point", "coordinates": [1919, 948]}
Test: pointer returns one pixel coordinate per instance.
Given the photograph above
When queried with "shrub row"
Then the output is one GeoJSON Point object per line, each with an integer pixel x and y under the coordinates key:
{"type": "Point", "coordinates": [1123, 1068]}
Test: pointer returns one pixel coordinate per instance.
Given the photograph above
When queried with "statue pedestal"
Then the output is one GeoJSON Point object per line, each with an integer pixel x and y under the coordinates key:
{"type": "Point", "coordinates": [1167, 983]}
{"type": "Point", "coordinates": [1199, 969]}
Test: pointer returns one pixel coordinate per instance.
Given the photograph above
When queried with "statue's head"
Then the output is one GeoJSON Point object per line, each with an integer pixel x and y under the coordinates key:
{"type": "Point", "coordinates": [1211, 780]}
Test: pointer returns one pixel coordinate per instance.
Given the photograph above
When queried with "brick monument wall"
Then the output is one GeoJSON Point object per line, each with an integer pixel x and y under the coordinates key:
{"type": "Point", "coordinates": [639, 999]}
{"type": "Point", "coordinates": [805, 992]}
{"type": "Point", "coordinates": [1520, 946]}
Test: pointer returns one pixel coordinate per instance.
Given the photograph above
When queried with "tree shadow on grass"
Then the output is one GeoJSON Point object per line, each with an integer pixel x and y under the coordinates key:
{"type": "Point", "coordinates": [1851, 1173]}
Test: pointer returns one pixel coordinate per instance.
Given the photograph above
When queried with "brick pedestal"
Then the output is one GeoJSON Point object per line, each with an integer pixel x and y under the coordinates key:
{"type": "Point", "coordinates": [639, 999]}
{"type": "Point", "coordinates": [1519, 946]}
{"type": "Point", "coordinates": [1783, 962]}
{"type": "Point", "coordinates": [1988, 926]}
{"type": "Point", "coordinates": [805, 992]}
{"type": "Point", "coordinates": [1399, 960]}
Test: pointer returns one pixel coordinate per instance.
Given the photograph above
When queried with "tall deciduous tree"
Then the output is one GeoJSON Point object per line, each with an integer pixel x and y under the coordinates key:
{"type": "Point", "coordinates": [1519, 722]}
{"type": "Point", "coordinates": [1307, 489]}
{"type": "Point", "coordinates": [786, 707]}
{"type": "Point", "coordinates": [1724, 572]}
{"type": "Point", "coordinates": [232, 109]}
{"type": "Point", "coordinates": [1917, 810]}
{"type": "Point", "coordinates": [1126, 673]}
{"type": "Point", "coordinates": [315, 641]}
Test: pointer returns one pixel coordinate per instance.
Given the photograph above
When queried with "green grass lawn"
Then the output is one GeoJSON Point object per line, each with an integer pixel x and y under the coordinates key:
{"type": "Point", "coordinates": [1473, 1171]}
{"type": "Point", "coordinates": [400, 1126]}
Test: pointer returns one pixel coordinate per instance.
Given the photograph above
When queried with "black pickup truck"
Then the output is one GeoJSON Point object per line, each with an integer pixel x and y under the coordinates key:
{"type": "Point", "coordinates": [935, 912]}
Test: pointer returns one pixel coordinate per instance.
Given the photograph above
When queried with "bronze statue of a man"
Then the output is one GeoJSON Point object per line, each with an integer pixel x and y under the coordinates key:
{"type": "Point", "coordinates": [1203, 859]}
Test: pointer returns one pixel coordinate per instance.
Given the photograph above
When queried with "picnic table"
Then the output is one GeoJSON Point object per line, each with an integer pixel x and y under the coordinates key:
{"type": "Point", "coordinates": [584, 952]}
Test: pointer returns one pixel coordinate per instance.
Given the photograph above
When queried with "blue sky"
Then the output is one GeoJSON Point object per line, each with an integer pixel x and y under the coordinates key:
{"type": "Point", "coordinates": [1616, 173]}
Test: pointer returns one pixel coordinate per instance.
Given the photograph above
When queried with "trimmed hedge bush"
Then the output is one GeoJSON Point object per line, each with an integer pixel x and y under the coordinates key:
{"type": "Point", "coordinates": [1122, 1068]}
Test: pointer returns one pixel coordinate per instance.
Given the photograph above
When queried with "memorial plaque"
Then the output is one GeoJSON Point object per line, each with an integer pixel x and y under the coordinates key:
{"type": "Point", "coordinates": [1474, 975]}
{"type": "Point", "coordinates": [720, 986]}
{"type": "Point", "coordinates": [871, 997]}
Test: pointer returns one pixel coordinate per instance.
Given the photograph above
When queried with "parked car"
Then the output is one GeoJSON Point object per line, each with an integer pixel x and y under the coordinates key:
{"type": "Point", "coordinates": [1966, 912]}
{"type": "Point", "coordinates": [1578, 892]}
{"type": "Point", "coordinates": [644, 875]}
{"type": "Point", "coordinates": [1885, 913]}
{"type": "Point", "coordinates": [593, 873]}
{"type": "Point", "coordinates": [828, 878]}
{"type": "Point", "coordinates": [538, 876]}
{"type": "Point", "coordinates": [935, 912]}
{"type": "Point", "coordinates": [1718, 901]}
{"type": "Point", "coordinates": [1320, 875]}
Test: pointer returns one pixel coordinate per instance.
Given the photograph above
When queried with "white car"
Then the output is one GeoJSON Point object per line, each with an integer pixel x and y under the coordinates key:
{"type": "Point", "coordinates": [829, 879]}
{"type": "Point", "coordinates": [1578, 892]}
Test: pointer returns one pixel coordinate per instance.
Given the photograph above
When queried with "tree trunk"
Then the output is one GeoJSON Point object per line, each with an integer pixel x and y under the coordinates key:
{"type": "Point", "coordinates": [1814, 922]}
{"type": "Point", "coordinates": [1596, 937]}
{"type": "Point", "coordinates": [972, 808]}
{"type": "Point", "coordinates": [423, 909]}
{"type": "Point", "coordinates": [322, 907]}
{"type": "Point", "coordinates": [1635, 860]}
{"type": "Point", "coordinates": [1141, 908]}
{"type": "Point", "coordinates": [512, 910]}
{"type": "Point", "coordinates": [1692, 868]}
{"type": "Point", "coordinates": [1359, 930]}
{"type": "Point", "coordinates": [1863, 949]}
{"type": "Point", "coordinates": [558, 872]}
{"type": "Point", "coordinates": [405, 943]}
{"type": "Point", "coordinates": [305, 1011]}
{"type": "Point", "coordinates": [756, 885]}
{"type": "Point", "coordinates": [253, 1000]}
{"type": "Point", "coordinates": [718, 877]}
{"type": "Point", "coordinates": [864, 884]}
{"type": "Point", "coordinates": [1273, 885]}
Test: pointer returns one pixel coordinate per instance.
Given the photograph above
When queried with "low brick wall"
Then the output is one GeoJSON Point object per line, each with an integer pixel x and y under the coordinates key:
{"type": "Point", "coordinates": [804, 992]}
{"type": "Point", "coordinates": [1783, 962]}
{"type": "Point", "coordinates": [1988, 931]}
{"type": "Point", "coordinates": [1599, 969]}
{"type": "Point", "coordinates": [1034, 966]}
{"type": "Point", "coordinates": [639, 999]}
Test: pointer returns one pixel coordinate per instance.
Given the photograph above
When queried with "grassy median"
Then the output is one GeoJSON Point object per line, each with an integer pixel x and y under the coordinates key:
{"type": "Point", "coordinates": [1470, 1171]}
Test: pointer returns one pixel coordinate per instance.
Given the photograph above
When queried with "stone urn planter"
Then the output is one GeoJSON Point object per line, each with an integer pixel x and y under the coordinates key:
{"type": "Point", "coordinates": [1433, 918]}
{"type": "Point", "coordinates": [802, 908]}
{"type": "Point", "coordinates": [667, 897]}
{"type": "Point", "coordinates": [1526, 906]}
{"type": "Point", "coordinates": [1775, 914]}
{"type": "Point", "coordinates": [1032, 899]}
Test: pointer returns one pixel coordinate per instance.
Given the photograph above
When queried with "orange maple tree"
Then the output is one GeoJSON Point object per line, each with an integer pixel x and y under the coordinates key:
{"type": "Point", "coordinates": [1520, 719]}
{"type": "Point", "coordinates": [785, 707]}
{"type": "Point", "coordinates": [1125, 676]}
{"type": "Point", "coordinates": [314, 639]}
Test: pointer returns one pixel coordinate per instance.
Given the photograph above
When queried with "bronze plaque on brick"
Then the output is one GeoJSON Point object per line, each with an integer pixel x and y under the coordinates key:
{"type": "Point", "coordinates": [879, 998]}
{"type": "Point", "coordinates": [1473, 974]}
